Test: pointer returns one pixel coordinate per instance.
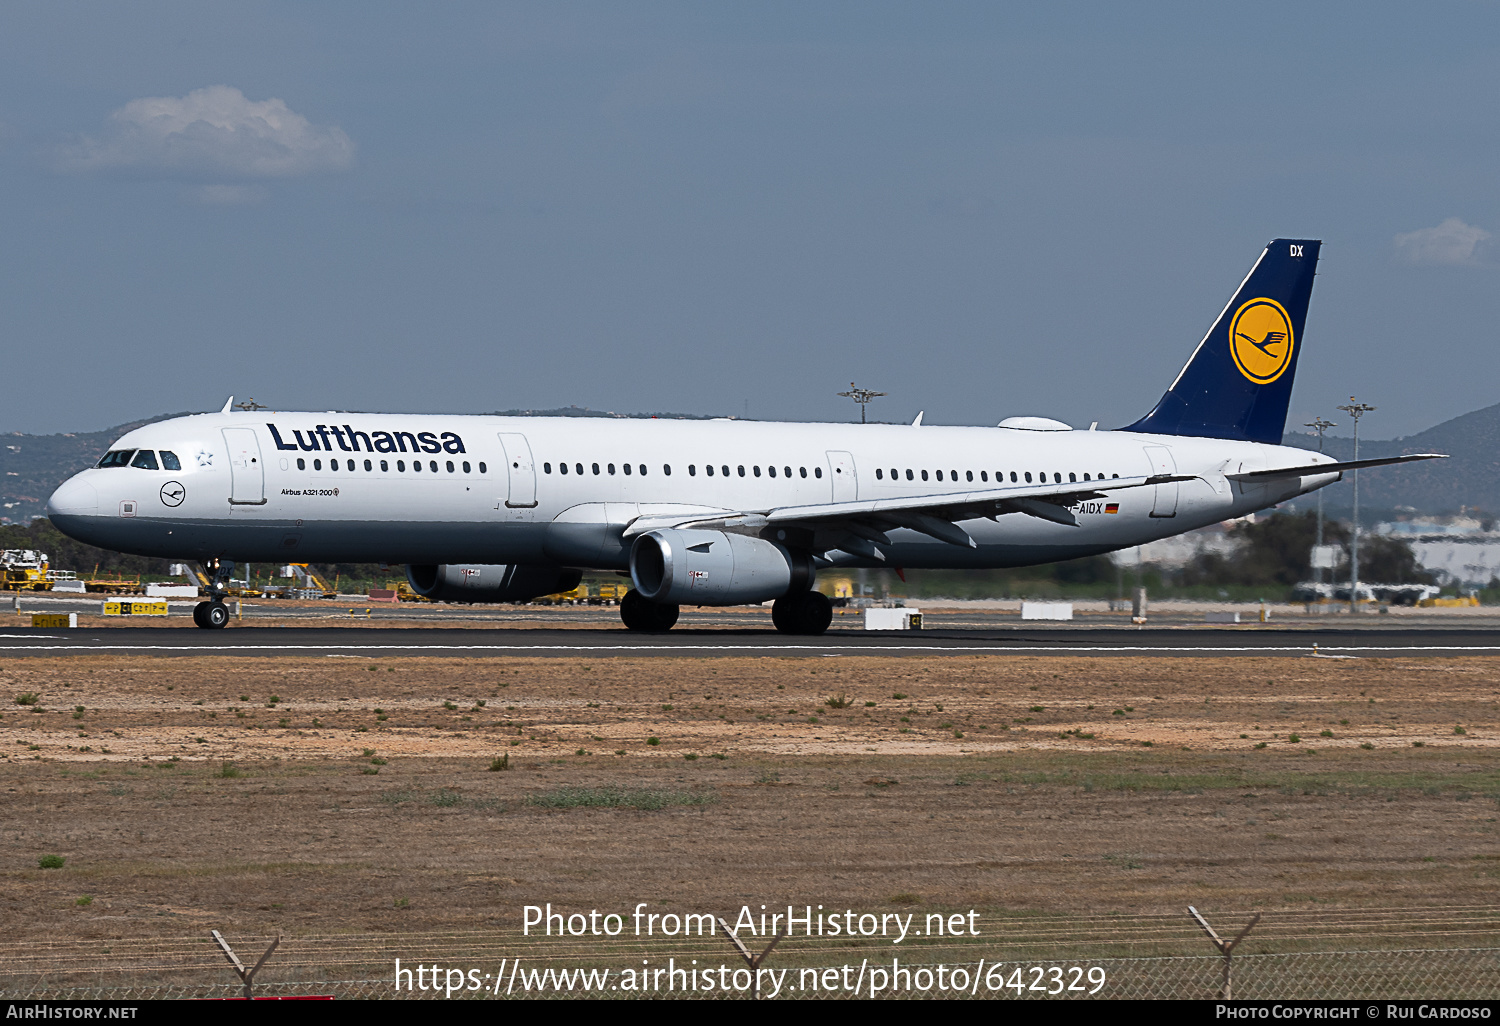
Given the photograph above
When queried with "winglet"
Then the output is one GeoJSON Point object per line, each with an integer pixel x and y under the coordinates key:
{"type": "Point", "coordinates": [918, 421]}
{"type": "Point", "coordinates": [227, 403]}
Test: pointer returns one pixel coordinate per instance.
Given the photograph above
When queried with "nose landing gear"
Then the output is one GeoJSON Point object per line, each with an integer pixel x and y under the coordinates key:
{"type": "Point", "coordinates": [214, 614]}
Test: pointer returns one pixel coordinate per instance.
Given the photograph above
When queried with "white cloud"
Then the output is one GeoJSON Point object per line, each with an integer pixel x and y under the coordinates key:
{"type": "Point", "coordinates": [1451, 242]}
{"type": "Point", "coordinates": [213, 133]}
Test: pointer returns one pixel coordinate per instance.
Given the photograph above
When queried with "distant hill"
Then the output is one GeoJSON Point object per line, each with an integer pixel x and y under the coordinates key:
{"type": "Point", "coordinates": [32, 466]}
{"type": "Point", "coordinates": [1470, 478]}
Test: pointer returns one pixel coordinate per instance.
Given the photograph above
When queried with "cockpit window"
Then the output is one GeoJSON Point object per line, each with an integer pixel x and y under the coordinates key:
{"type": "Point", "coordinates": [117, 458]}
{"type": "Point", "coordinates": [169, 461]}
{"type": "Point", "coordinates": [145, 460]}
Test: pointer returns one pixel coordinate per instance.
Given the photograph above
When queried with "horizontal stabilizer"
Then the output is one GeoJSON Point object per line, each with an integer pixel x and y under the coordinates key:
{"type": "Point", "coordinates": [1316, 469]}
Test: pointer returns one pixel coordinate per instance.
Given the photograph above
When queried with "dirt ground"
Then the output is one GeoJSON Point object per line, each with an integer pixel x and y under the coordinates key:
{"type": "Point", "coordinates": [350, 794]}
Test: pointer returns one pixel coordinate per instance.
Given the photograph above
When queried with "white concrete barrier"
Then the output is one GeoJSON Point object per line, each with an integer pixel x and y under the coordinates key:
{"type": "Point", "coordinates": [903, 619]}
{"type": "Point", "coordinates": [1046, 610]}
{"type": "Point", "coordinates": [171, 591]}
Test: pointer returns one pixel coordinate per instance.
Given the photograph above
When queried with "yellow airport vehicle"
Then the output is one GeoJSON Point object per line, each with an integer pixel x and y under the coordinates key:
{"type": "Point", "coordinates": [611, 594]}
{"type": "Point", "coordinates": [1449, 603]}
{"type": "Point", "coordinates": [29, 570]}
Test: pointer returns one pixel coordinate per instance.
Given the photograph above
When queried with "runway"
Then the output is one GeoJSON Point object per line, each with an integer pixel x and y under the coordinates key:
{"type": "Point", "coordinates": [377, 642]}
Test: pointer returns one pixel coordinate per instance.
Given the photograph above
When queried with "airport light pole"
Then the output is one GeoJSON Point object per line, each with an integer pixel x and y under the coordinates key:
{"type": "Point", "coordinates": [861, 396]}
{"type": "Point", "coordinates": [1355, 410]}
{"type": "Point", "coordinates": [1320, 425]}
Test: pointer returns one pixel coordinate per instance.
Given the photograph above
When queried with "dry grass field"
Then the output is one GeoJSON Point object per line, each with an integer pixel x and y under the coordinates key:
{"type": "Point", "coordinates": [352, 795]}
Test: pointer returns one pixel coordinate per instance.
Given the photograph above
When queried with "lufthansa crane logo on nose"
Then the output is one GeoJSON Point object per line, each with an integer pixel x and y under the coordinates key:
{"type": "Point", "coordinates": [173, 493]}
{"type": "Point", "coordinates": [1260, 340]}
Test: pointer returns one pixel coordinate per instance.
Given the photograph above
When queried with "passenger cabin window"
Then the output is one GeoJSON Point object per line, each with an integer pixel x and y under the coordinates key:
{"type": "Point", "coordinates": [643, 470]}
{"type": "Point", "coordinates": [145, 460]}
{"type": "Point", "coordinates": [431, 465]}
{"type": "Point", "coordinates": [450, 466]}
{"type": "Point", "coordinates": [317, 464]}
{"type": "Point", "coordinates": [384, 466]}
{"type": "Point", "coordinates": [626, 468]}
{"type": "Point", "coordinates": [742, 470]}
{"type": "Point", "coordinates": [666, 468]}
{"type": "Point", "coordinates": [757, 471]}
{"type": "Point", "coordinates": [482, 469]}
{"type": "Point", "coordinates": [466, 466]}
{"type": "Point", "coordinates": [879, 474]}
{"type": "Point", "coordinates": [709, 470]}
{"type": "Point", "coordinates": [301, 463]}
{"type": "Point", "coordinates": [924, 475]}
{"type": "Point", "coordinates": [118, 458]}
{"type": "Point", "coordinates": [400, 466]}
{"type": "Point", "coordinates": [547, 468]}
{"type": "Point", "coordinates": [692, 470]}
{"type": "Point", "coordinates": [169, 461]}
{"type": "Point", "coordinates": [369, 465]}
{"type": "Point", "coordinates": [788, 471]}
{"type": "Point", "coordinates": [817, 471]}
{"type": "Point", "coordinates": [610, 468]}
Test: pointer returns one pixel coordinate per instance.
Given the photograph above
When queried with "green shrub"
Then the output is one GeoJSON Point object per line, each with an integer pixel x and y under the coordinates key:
{"type": "Point", "coordinates": [500, 762]}
{"type": "Point", "coordinates": [51, 862]}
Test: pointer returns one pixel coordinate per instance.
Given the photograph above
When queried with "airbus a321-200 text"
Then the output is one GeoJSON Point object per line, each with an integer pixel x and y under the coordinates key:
{"type": "Point", "coordinates": [709, 513]}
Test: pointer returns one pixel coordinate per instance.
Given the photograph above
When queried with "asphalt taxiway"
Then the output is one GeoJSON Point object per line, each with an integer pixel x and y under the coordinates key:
{"type": "Point", "coordinates": [376, 642]}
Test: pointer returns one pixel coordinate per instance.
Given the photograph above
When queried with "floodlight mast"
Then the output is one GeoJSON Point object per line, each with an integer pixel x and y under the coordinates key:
{"type": "Point", "coordinates": [861, 396]}
{"type": "Point", "coordinates": [1320, 425]}
{"type": "Point", "coordinates": [1355, 410]}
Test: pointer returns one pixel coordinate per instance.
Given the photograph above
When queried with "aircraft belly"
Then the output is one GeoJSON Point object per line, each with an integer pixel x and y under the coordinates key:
{"type": "Point", "coordinates": [304, 541]}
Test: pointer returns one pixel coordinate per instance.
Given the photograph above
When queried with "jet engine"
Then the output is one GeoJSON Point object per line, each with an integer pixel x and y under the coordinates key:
{"type": "Point", "coordinates": [478, 582]}
{"type": "Point", "coordinates": [713, 568]}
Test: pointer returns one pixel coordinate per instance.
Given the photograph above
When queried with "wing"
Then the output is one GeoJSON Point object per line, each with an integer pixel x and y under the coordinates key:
{"type": "Point", "coordinates": [857, 527]}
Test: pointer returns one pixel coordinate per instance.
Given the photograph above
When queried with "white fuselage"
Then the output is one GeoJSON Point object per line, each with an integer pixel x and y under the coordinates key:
{"type": "Point", "coordinates": [479, 489]}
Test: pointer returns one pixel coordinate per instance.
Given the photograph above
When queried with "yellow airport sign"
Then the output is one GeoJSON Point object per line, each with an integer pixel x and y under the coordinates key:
{"type": "Point", "coordinates": [121, 607]}
{"type": "Point", "coordinates": [54, 619]}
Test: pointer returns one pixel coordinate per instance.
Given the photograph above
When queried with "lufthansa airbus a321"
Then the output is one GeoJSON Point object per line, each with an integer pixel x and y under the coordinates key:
{"type": "Point", "coordinates": [494, 509]}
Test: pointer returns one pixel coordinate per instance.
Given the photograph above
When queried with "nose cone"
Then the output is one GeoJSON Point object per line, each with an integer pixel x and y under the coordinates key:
{"type": "Point", "coordinates": [75, 497]}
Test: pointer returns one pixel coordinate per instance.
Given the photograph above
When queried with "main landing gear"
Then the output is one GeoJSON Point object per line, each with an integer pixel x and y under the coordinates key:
{"type": "Point", "coordinates": [641, 614]}
{"type": "Point", "coordinates": [807, 613]}
{"type": "Point", "coordinates": [214, 614]}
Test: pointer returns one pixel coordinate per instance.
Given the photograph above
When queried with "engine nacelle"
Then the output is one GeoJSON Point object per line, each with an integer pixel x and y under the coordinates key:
{"type": "Point", "coordinates": [478, 582]}
{"type": "Point", "coordinates": [713, 568]}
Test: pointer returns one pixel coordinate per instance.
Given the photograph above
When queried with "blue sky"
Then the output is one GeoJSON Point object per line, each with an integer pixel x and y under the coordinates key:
{"type": "Point", "coordinates": [983, 210]}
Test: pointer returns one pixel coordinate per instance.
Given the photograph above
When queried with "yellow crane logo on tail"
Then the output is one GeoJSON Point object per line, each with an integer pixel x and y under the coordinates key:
{"type": "Point", "coordinates": [1260, 340]}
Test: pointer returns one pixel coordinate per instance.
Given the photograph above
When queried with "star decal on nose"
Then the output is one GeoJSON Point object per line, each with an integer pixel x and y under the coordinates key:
{"type": "Point", "coordinates": [205, 459]}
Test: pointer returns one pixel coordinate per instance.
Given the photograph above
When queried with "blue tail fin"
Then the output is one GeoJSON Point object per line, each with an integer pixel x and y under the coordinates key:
{"type": "Point", "coordinates": [1238, 382]}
